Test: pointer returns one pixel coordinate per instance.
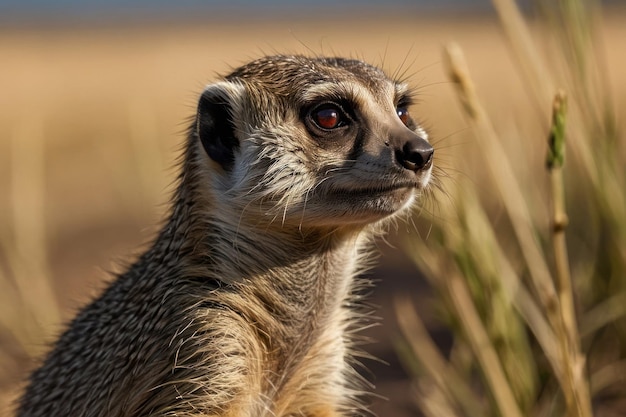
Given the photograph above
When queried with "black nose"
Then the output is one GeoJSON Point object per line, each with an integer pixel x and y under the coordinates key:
{"type": "Point", "coordinates": [416, 154]}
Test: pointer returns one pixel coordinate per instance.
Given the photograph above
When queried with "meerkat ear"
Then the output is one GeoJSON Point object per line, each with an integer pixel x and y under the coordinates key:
{"type": "Point", "coordinates": [214, 121]}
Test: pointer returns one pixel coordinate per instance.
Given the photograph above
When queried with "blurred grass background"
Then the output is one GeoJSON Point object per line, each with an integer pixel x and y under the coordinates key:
{"type": "Point", "coordinates": [92, 117]}
{"type": "Point", "coordinates": [529, 267]}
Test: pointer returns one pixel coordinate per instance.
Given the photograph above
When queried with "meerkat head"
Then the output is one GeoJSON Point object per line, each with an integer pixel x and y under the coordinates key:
{"type": "Point", "coordinates": [312, 142]}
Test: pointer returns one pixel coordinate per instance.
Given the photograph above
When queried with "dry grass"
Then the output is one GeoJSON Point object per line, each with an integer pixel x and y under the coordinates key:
{"type": "Point", "coordinates": [90, 120]}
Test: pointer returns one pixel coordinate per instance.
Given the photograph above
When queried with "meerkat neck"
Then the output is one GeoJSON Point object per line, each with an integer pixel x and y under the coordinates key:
{"type": "Point", "coordinates": [309, 270]}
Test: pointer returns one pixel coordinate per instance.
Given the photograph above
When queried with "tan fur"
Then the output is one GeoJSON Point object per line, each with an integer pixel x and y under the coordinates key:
{"type": "Point", "coordinates": [247, 304]}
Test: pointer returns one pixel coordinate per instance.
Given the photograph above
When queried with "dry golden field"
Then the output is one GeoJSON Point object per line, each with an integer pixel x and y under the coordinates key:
{"type": "Point", "coordinates": [91, 120]}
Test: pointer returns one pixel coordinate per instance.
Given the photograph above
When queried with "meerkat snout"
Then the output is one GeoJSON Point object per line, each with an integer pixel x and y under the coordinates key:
{"type": "Point", "coordinates": [416, 154]}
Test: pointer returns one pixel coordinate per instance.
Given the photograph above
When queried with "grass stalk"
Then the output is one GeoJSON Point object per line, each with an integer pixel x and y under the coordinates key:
{"type": "Point", "coordinates": [574, 361]}
{"type": "Point", "coordinates": [483, 349]}
{"type": "Point", "coordinates": [521, 41]}
{"type": "Point", "coordinates": [448, 381]}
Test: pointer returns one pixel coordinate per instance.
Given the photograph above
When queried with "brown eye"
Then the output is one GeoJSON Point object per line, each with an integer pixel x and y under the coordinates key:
{"type": "Point", "coordinates": [328, 117]}
{"type": "Point", "coordinates": [403, 114]}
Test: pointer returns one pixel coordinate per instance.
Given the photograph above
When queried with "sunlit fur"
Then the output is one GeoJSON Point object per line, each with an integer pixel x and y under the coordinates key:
{"type": "Point", "coordinates": [247, 302]}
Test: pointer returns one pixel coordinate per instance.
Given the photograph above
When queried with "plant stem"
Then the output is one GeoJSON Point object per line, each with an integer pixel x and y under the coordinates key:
{"type": "Point", "coordinates": [563, 279]}
{"type": "Point", "coordinates": [532, 66]}
{"type": "Point", "coordinates": [555, 159]}
{"type": "Point", "coordinates": [483, 348]}
{"type": "Point", "coordinates": [449, 382]}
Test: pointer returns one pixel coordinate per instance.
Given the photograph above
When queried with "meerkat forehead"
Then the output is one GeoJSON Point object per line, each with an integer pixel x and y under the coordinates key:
{"type": "Point", "coordinates": [284, 75]}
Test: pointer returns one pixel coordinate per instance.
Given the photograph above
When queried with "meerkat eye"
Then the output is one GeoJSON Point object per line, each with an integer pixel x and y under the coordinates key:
{"type": "Point", "coordinates": [403, 114]}
{"type": "Point", "coordinates": [328, 116]}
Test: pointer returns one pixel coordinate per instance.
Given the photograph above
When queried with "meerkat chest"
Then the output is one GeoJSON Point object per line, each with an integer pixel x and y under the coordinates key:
{"type": "Point", "coordinates": [316, 383]}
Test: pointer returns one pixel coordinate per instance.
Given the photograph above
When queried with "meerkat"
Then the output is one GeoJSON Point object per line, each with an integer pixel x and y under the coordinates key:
{"type": "Point", "coordinates": [244, 305]}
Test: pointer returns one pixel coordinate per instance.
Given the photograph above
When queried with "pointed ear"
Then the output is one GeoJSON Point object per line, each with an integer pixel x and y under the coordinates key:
{"type": "Point", "coordinates": [215, 126]}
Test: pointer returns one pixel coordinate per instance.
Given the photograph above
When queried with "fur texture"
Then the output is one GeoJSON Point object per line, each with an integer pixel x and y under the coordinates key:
{"type": "Point", "coordinates": [246, 303]}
